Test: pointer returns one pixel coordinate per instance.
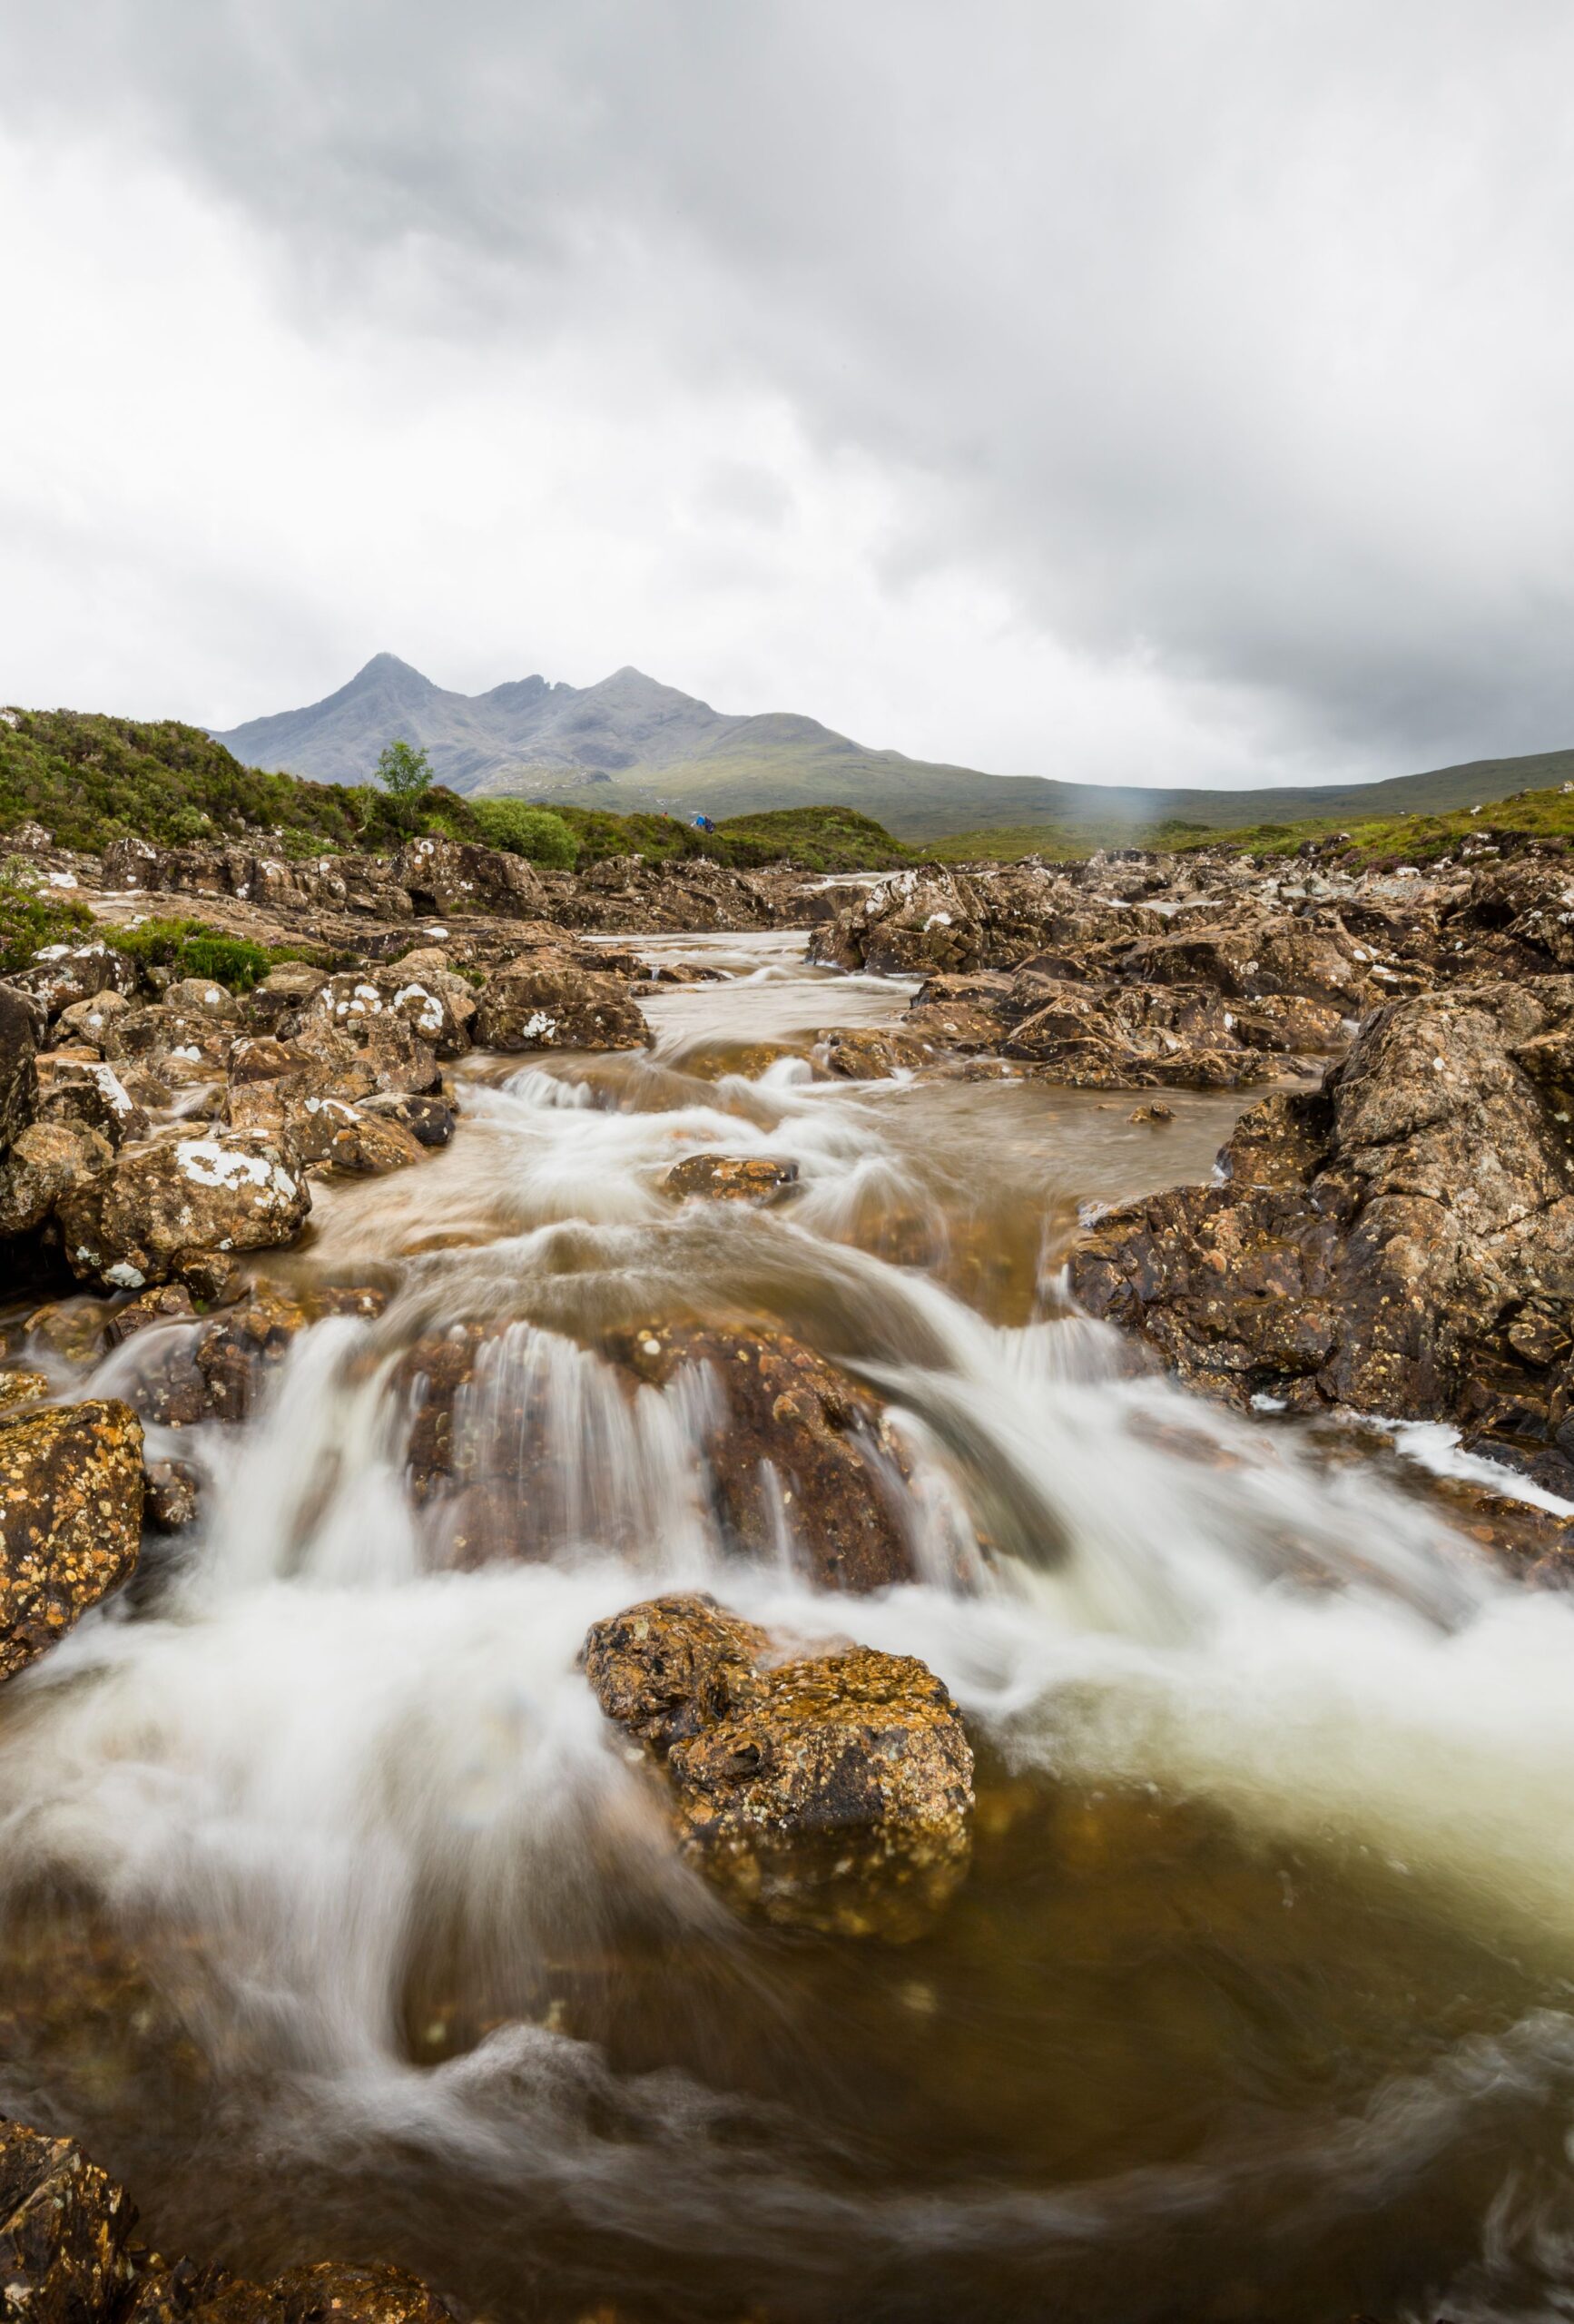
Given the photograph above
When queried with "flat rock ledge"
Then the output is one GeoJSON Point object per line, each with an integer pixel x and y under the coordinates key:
{"type": "Point", "coordinates": [68, 2256]}
{"type": "Point", "coordinates": [827, 1790]}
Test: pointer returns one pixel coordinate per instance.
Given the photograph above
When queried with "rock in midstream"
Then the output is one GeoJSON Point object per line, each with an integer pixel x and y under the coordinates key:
{"type": "Point", "coordinates": [71, 1508]}
{"type": "Point", "coordinates": [827, 1790]}
{"type": "Point", "coordinates": [67, 2257]}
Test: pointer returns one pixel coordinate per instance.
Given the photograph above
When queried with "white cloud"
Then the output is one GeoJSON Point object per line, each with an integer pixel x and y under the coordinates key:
{"type": "Point", "coordinates": [1141, 393]}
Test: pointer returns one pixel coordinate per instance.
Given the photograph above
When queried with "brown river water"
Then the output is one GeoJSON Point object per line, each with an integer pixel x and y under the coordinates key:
{"type": "Point", "coordinates": [333, 1920]}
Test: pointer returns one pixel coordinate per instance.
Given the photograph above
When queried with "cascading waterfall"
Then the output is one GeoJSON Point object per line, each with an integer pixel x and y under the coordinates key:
{"type": "Point", "coordinates": [1261, 1973]}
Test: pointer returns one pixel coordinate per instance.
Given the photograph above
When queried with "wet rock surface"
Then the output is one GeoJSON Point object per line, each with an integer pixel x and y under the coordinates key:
{"type": "Point", "coordinates": [793, 1457]}
{"type": "Point", "coordinates": [732, 1177]}
{"type": "Point", "coordinates": [71, 1506]}
{"type": "Point", "coordinates": [68, 2256]}
{"type": "Point", "coordinates": [1399, 1242]}
{"type": "Point", "coordinates": [798, 1453]}
{"type": "Point", "coordinates": [826, 1791]}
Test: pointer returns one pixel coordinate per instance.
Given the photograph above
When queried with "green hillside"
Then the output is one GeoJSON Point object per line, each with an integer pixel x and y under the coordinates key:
{"type": "Point", "coordinates": [90, 780]}
{"type": "Point", "coordinates": [946, 809]}
{"type": "Point", "coordinates": [1403, 835]}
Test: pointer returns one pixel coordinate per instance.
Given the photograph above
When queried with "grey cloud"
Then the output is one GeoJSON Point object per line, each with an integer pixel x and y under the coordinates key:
{"type": "Point", "coordinates": [1234, 333]}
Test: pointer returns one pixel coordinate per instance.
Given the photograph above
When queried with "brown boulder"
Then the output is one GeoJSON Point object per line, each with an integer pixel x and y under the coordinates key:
{"type": "Point", "coordinates": [170, 1495]}
{"type": "Point", "coordinates": [19, 1386]}
{"type": "Point", "coordinates": [71, 1501]}
{"type": "Point", "coordinates": [63, 2225]}
{"type": "Point", "coordinates": [48, 1162]}
{"type": "Point", "coordinates": [1134, 1037]}
{"type": "Point", "coordinates": [75, 1088]}
{"type": "Point", "coordinates": [281, 995]}
{"type": "Point", "coordinates": [66, 2256]}
{"type": "Point", "coordinates": [830, 1792]}
{"type": "Point", "coordinates": [861, 1053]}
{"type": "Point", "coordinates": [674, 1665]}
{"type": "Point", "coordinates": [138, 1221]}
{"type": "Point", "coordinates": [546, 1002]}
{"type": "Point", "coordinates": [439, 1006]}
{"type": "Point", "coordinates": [64, 973]}
{"type": "Point", "coordinates": [732, 1177]}
{"type": "Point", "coordinates": [218, 1368]}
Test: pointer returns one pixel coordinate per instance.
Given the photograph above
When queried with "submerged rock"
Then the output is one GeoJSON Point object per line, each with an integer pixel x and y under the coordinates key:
{"type": "Point", "coordinates": [732, 1177]}
{"type": "Point", "coordinates": [165, 1203]}
{"type": "Point", "coordinates": [66, 2256]}
{"type": "Point", "coordinates": [63, 2226]}
{"type": "Point", "coordinates": [20, 1386]}
{"type": "Point", "coordinates": [831, 1791]}
{"type": "Point", "coordinates": [71, 1506]}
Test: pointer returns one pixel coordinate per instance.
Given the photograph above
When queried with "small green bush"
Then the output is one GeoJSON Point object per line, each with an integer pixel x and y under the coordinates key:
{"type": "Point", "coordinates": [193, 950]}
{"type": "Point", "coordinates": [29, 921]}
{"type": "Point", "coordinates": [533, 832]}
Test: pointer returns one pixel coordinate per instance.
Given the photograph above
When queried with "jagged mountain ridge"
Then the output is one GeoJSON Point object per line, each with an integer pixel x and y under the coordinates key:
{"type": "Point", "coordinates": [630, 742]}
{"type": "Point", "coordinates": [626, 724]}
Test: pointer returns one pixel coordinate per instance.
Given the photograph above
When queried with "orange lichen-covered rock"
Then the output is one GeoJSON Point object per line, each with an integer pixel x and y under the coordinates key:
{"type": "Point", "coordinates": [66, 2258]}
{"type": "Point", "coordinates": [830, 1792]}
{"type": "Point", "coordinates": [70, 1507]}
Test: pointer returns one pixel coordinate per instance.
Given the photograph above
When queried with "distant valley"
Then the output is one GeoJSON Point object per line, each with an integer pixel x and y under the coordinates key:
{"type": "Point", "coordinates": [630, 743]}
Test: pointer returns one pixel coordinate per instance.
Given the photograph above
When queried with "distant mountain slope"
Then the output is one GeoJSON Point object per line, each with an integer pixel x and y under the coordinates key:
{"type": "Point", "coordinates": [629, 743]}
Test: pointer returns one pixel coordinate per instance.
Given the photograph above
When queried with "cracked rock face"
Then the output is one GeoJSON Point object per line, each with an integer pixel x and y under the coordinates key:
{"type": "Point", "coordinates": [828, 1791]}
{"type": "Point", "coordinates": [162, 1206]}
{"type": "Point", "coordinates": [18, 1078]}
{"type": "Point", "coordinates": [70, 1507]}
{"type": "Point", "coordinates": [1401, 1242]}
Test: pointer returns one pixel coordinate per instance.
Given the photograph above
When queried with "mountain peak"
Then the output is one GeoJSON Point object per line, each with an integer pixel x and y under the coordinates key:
{"type": "Point", "coordinates": [381, 668]}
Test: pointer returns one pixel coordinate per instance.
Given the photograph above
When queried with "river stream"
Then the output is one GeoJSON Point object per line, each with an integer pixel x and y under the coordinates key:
{"type": "Point", "coordinates": [335, 1920]}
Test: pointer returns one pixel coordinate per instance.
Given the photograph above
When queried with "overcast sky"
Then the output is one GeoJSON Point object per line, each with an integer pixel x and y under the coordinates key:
{"type": "Point", "coordinates": [1171, 391]}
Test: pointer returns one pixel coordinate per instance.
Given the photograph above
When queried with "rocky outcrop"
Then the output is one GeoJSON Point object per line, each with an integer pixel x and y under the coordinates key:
{"type": "Point", "coordinates": [545, 1000]}
{"type": "Point", "coordinates": [71, 1503]}
{"type": "Point", "coordinates": [1401, 1242]}
{"type": "Point", "coordinates": [827, 1790]}
{"type": "Point", "coordinates": [64, 973]}
{"type": "Point", "coordinates": [18, 1075]}
{"type": "Point", "coordinates": [732, 1177]}
{"type": "Point", "coordinates": [161, 1205]}
{"type": "Point", "coordinates": [448, 876]}
{"type": "Point", "coordinates": [420, 989]}
{"type": "Point", "coordinates": [67, 2257]}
